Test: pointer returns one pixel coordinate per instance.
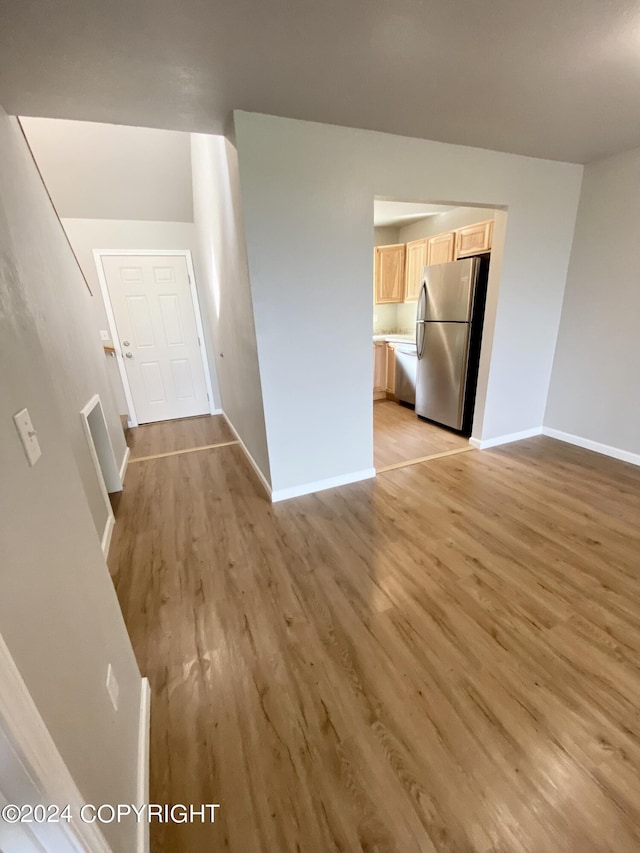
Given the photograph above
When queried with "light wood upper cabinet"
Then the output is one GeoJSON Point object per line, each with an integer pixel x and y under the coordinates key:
{"type": "Point", "coordinates": [398, 268]}
{"type": "Point", "coordinates": [441, 248]}
{"type": "Point", "coordinates": [416, 260]}
{"type": "Point", "coordinates": [474, 239]}
{"type": "Point", "coordinates": [388, 273]}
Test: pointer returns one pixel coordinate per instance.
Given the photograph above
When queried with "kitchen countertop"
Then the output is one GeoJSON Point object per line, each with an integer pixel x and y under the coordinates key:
{"type": "Point", "coordinates": [395, 338]}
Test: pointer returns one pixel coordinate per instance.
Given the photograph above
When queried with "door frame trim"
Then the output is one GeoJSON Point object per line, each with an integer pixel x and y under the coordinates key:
{"type": "Point", "coordinates": [98, 254]}
{"type": "Point", "coordinates": [33, 744]}
{"type": "Point", "coordinates": [94, 403]}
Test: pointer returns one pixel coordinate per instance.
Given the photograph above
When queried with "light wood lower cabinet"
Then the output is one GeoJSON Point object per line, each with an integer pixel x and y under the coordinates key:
{"type": "Point", "coordinates": [379, 369]}
{"type": "Point", "coordinates": [391, 369]}
{"type": "Point", "coordinates": [384, 369]}
{"type": "Point", "coordinates": [474, 239]}
{"type": "Point", "coordinates": [415, 263]}
{"type": "Point", "coordinates": [441, 248]}
{"type": "Point", "coordinates": [388, 273]}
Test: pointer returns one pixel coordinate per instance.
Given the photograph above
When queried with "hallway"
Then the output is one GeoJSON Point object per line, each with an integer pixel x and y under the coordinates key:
{"type": "Point", "coordinates": [444, 658]}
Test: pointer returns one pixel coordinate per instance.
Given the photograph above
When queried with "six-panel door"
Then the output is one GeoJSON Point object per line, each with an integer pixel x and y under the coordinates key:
{"type": "Point", "coordinates": [154, 314]}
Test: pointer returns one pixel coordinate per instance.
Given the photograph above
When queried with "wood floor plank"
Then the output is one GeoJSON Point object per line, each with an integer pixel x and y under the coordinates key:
{"type": "Point", "coordinates": [168, 436]}
{"type": "Point", "coordinates": [443, 659]}
{"type": "Point", "coordinates": [399, 435]}
{"type": "Point", "coordinates": [181, 452]}
{"type": "Point", "coordinates": [421, 459]}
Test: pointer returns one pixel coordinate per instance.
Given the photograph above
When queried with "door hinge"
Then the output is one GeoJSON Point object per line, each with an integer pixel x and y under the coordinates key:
{"type": "Point", "coordinates": [207, 396]}
{"type": "Point", "coordinates": [199, 344]}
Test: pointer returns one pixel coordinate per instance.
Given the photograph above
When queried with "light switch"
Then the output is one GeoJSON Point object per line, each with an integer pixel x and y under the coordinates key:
{"type": "Point", "coordinates": [104, 335]}
{"type": "Point", "coordinates": [28, 436]}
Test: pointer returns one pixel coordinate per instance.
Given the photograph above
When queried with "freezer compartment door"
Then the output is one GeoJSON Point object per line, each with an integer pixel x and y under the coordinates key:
{"type": "Point", "coordinates": [442, 373]}
{"type": "Point", "coordinates": [448, 291]}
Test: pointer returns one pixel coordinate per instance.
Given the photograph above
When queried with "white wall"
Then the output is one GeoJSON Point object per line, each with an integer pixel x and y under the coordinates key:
{"type": "Point", "coordinates": [595, 384]}
{"type": "Point", "coordinates": [59, 614]}
{"type": "Point", "coordinates": [108, 171]}
{"type": "Point", "coordinates": [70, 334]}
{"type": "Point", "coordinates": [307, 195]}
{"type": "Point", "coordinates": [449, 221]}
{"type": "Point", "coordinates": [386, 235]}
{"type": "Point", "coordinates": [225, 291]}
{"type": "Point", "coordinates": [86, 235]}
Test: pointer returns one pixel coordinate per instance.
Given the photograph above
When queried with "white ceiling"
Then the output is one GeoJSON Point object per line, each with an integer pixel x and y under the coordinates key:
{"type": "Point", "coordinates": [550, 78]}
{"type": "Point", "coordinates": [103, 171]}
{"type": "Point", "coordinates": [403, 212]}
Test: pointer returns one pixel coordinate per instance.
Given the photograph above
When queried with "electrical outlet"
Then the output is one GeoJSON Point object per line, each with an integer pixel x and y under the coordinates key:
{"type": "Point", "coordinates": [28, 436]}
{"type": "Point", "coordinates": [112, 687]}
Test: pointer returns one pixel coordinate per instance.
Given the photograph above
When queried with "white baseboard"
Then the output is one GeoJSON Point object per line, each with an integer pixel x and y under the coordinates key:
{"type": "Point", "coordinates": [596, 446]}
{"type": "Point", "coordinates": [320, 485]}
{"type": "Point", "coordinates": [108, 531]}
{"type": "Point", "coordinates": [217, 412]}
{"type": "Point", "coordinates": [250, 458]}
{"type": "Point", "coordinates": [144, 726]}
{"type": "Point", "coordinates": [125, 462]}
{"type": "Point", "coordinates": [306, 488]}
{"type": "Point", "coordinates": [484, 444]}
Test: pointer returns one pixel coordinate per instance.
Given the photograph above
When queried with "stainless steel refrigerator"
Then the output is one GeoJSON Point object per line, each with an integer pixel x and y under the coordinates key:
{"type": "Point", "coordinates": [448, 328]}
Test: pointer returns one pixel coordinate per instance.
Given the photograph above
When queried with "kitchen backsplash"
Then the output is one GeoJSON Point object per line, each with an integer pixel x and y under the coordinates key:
{"type": "Point", "coordinates": [394, 319]}
{"type": "Point", "coordinates": [406, 318]}
{"type": "Point", "coordinates": [384, 319]}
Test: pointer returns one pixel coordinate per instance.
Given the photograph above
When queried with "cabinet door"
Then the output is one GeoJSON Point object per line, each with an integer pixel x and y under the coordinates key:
{"type": "Point", "coordinates": [389, 273]}
{"type": "Point", "coordinates": [416, 260]}
{"type": "Point", "coordinates": [474, 239]}
{"type": "Point", "coordinates": [379, 367]}
{"type": "Point", "coordinates": [441, 248]}
{"type": "Point", "coordinates": [391, 369]}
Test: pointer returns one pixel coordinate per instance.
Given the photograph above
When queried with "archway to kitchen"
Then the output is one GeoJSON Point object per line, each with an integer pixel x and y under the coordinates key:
{"type": "Point", "coordinates": [435, 268]}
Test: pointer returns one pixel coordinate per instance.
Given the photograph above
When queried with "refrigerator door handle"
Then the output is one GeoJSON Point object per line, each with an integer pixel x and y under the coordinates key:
{"type": "Point", "coordinates": [422, 303]}
{"type": "Point", "coordinates": [421, 330]}
{"type": "Point", "coordinates": [421, 315]}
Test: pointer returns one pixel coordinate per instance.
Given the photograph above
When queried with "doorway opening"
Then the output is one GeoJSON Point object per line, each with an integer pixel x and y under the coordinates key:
{"type": "Point", "coordinates": [431, 271]}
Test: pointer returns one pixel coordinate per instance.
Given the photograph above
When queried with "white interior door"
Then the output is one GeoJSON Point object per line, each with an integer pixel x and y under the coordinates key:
{"type": "Point", "coordinates": [154, 314]}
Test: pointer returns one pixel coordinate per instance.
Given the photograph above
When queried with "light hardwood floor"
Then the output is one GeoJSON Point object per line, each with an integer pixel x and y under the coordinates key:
{"type": "Point", "coordinates": [443, 659]}
{"type": "Point", "coordinates": [399, 436]}
{"type": "Point", "coordinates": [167, 436]}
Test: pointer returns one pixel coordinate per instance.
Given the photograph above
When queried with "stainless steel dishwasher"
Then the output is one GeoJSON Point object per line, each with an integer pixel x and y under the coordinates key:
{"type": "Point", "coordinates": [406, 368]}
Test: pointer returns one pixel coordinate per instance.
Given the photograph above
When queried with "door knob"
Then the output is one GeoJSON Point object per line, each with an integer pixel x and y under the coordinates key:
{"type": "Point", "coordinates": [125, 343]}
{"type": "Point", "coordinates": [129, 354]}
